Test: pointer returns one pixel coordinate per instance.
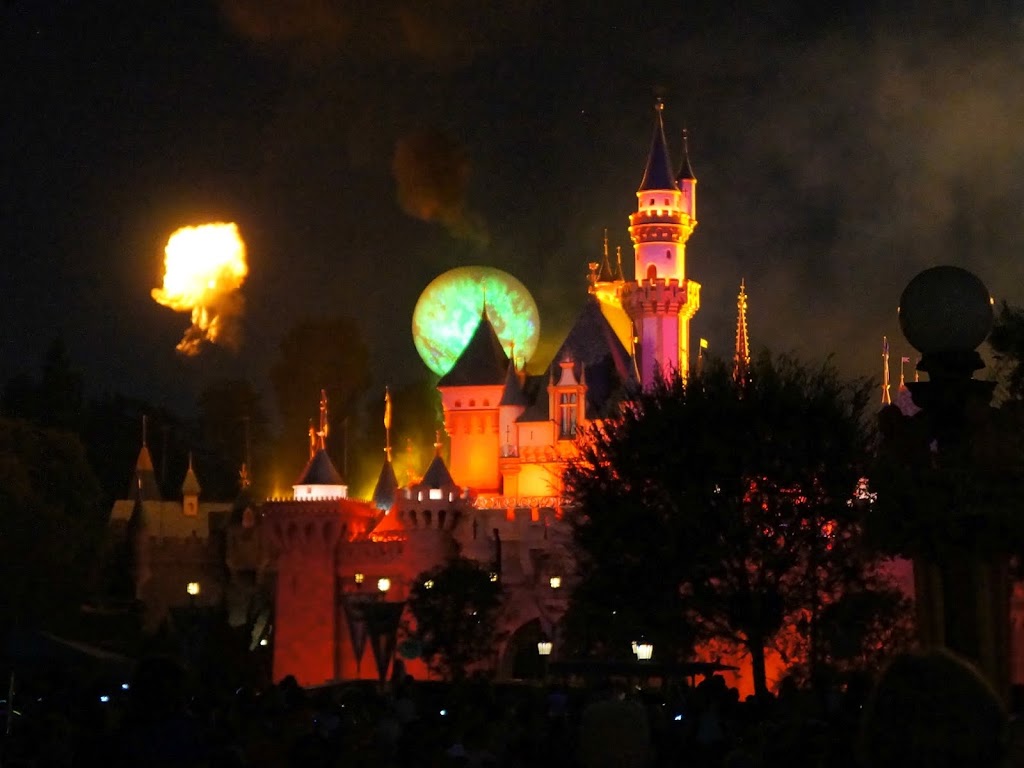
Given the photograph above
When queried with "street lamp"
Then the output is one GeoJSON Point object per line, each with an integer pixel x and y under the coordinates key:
{"type": "Point", "coordinates": [544, 647]}
{"type": "Point", "coordinates": [192, 588]}
{"type": "Point", "coordinates": [384, 584]}
{"type": "Point", "coordinates": [643, 650]}
{"type": "Point", "coordinates": [962, 585]}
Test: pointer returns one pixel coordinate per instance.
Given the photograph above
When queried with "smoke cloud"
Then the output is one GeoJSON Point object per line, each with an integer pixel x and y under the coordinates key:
{"type": "Point", "coordinates": [432, 174]}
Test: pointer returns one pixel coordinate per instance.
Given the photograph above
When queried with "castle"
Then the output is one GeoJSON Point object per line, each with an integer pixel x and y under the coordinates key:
{"type": "Point", "coordinates": [301, 571]}
{"type": "Point", "coordinates": [498, 500]}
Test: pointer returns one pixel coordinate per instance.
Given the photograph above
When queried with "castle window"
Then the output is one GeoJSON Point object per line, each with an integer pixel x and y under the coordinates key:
{"type": "Point", "coordinates": [567, 415]}
{"type": "Point", "coordinates": [435, 493]}
{"type": "Point", "coordinates": [668, 255]}
{"type": "Point", "coordinates": [652, 272]}
{"type": "Point", "coordinates": [441, 515]}
{"type": "Point", "coordinates": [651, 201]}
{"type": "Point", "coordinates": [427, 518]}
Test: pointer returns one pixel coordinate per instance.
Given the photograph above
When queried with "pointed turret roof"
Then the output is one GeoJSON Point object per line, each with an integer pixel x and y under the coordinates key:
{"type": "Point", "coordinates": [658, 173]}
{"type": "Point", "coordinates": [513, 392]}
{"type": "Point", "coordinates": [145, 478]}
{"type": "Point", "coordinates": [483, 361]}
{"type": "Point", "coordinates": [594, 346]}
{"type": "Point", "coordinates": [685, 169]}
{"type": "Point", "coordinates": [190, 486]}
{"type": "Point", "coordinates": [386, 490]}
{"type": "Point", "coordinates": [437, 475]}
{"type": "Point", "coordinates": [320, 470]}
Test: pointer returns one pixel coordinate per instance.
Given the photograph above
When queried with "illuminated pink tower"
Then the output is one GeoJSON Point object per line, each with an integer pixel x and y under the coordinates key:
{"type": "Point", "coordinates": [661, 301]}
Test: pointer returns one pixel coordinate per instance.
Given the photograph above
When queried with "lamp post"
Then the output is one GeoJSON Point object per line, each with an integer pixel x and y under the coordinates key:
{"type": "Point", "coordinates": [960, 573]}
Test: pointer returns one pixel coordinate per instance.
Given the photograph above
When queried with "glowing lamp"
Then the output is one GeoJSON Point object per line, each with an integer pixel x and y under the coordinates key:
{"type": "Point", "coordinates": [359, 578]}
{"type": "Point", "coordinates": [494, 575]}
{"type": "Point", "coordinates": [428, 584]}
{"type": "Point", "coordinates": [544, 648]}
{"type": "Point", "coordinates": [555, 582]}
{"type": "Point", "coordinates": [192, 588]}
{"type": "Point", "coordinates": [643, 650]}
{"type": "Point", "coordinates": [384, 584]}
{"type": "Point", "coordinates": [449, 309]}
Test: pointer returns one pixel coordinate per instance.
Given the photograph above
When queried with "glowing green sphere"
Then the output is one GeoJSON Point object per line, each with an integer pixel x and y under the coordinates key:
{"type": "Point", "coordinates": [449, 309]}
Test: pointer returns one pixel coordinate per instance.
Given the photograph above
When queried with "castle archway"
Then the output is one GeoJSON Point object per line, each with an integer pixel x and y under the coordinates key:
{"type": "Point", "coordinates": [520, 660]}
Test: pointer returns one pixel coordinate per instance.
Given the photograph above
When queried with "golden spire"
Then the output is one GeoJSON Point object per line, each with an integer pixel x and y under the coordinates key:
{"type": "Point", "coordinates": [387, 423]}
{"type": "Point", "coordinates": [886, 397]}
{"type": "Point", "coordinates": [618, 263]}
{"type": "Point", "coordinates": [741, 361]}
{"type": "Point", "coordinates": [324, 428]}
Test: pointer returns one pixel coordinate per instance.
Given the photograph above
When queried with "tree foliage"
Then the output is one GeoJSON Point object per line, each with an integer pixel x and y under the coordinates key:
{"type": "Point", "coordinates": [54, 399]}
{"type": "Point", "coordinates": [721, 508]}
{"type": "Point", "coordinates": [51, 523]}
{"type": "Point", "coordinates": [455, 608]}
{"type": "Point", "coordinates": [1007, 342]}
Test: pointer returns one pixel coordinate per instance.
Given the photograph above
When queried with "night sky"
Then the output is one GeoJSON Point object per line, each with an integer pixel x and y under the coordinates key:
{"type": "Point", "coordinates": [363, 148]}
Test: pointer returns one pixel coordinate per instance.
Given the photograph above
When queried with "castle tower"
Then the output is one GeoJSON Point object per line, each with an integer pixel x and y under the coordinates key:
{"type": "Point", "coordinates": [471, 393]}
{"type": "Point", "coordinates": [741, 360]}
{"type": "Point", "coordinates": [661, 300]}
{"type": "Point", "coordinates": [306, 531]}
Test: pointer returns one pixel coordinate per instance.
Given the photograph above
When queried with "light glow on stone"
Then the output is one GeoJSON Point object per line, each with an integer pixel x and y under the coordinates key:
{"type": "Point", "coordinates": [449, 309]}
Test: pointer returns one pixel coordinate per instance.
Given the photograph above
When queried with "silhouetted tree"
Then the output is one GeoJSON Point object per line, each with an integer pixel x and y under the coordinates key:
{"type": "Point", "coordinates": [720, 507]}
{"type": "Point", "coordinates": [1007, 342]}
{"type": "Point", "coordinates": [51, 523]}
{"type": "Point", "coordinates": [455, 607]}
{"type": "Point", "coordinates": [53, 400]}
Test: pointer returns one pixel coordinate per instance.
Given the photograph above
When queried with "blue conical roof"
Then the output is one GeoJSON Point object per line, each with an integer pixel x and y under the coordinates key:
{"type": "Point", "coordinates": [658, 173]}
{"type": "Point", "coordinates": [320, 471]}
{"type": "Point", "coordinates": [386, 490]}
{"type": "Point", "coordinates": [437, 475]}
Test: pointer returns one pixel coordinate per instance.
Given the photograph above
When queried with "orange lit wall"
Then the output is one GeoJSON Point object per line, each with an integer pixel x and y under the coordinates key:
{"type": "Point", "coordinates": [538, 480]}
{"type": "Point", "coordinates": [304, 625]}
{"type": "Point", "coordinates": [474, 448]}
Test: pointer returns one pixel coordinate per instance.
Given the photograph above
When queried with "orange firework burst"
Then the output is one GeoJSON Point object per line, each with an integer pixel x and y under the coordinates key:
{"type": "Point", "coordinates": [204, 268]}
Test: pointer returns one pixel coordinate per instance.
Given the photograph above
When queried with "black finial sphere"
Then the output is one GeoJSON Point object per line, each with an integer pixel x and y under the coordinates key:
{"type": "Point", "coordinates": [944, 310]}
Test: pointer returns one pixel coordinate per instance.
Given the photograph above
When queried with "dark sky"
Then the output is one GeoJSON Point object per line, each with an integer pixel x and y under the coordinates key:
{"type": "Point", "coordinates": [839, 151]}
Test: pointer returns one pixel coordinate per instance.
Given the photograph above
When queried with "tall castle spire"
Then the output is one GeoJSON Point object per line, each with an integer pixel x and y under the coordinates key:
{"type": "Point", "coordinates": [886, 396]}
{"type": "Point", "coordinates": [661, 301]}
{"type": "Point", "coordinates": [741, 360]}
